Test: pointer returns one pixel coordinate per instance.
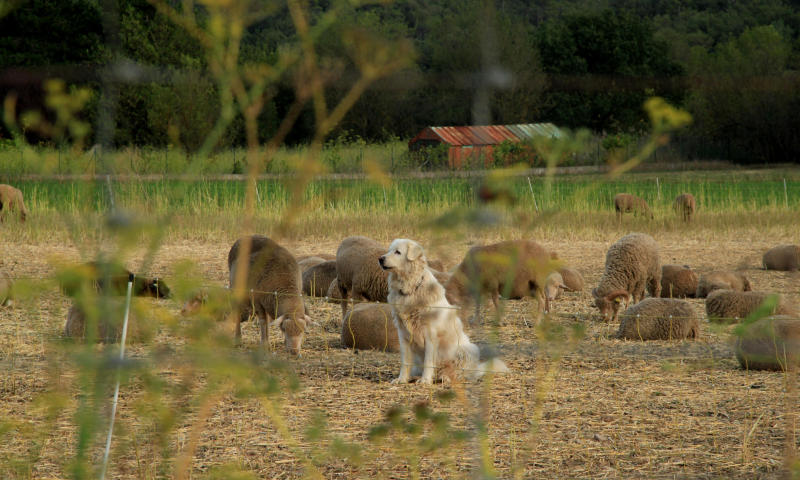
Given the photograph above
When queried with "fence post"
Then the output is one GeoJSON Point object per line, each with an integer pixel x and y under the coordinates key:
{"type": "Point", "coordinates": [658, 186]}
{"type": "Point", "coordinates": [785, 194]}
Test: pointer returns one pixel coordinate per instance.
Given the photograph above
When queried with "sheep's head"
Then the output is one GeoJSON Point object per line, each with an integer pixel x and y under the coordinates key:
{"type": "Point", "coordinates": [553, 286]}
{"type": "Point", "coordinates": [294, 328]}
{"type": "Point", "coordinates": [610, 305]}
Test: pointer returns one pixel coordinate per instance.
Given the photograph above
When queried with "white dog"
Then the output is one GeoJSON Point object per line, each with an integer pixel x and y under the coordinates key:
{"type": "Point", "coordinates": [430, 332]}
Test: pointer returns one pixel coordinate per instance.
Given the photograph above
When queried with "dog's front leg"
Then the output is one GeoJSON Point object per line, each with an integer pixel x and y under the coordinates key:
{"type": "Point", "coordinates": [406, 359]}
{"type": "Point", "coordinates": [429, 364]}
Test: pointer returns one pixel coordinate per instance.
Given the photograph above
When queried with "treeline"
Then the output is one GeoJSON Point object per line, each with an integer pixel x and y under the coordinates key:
{"type": "Point", "coordinates": [733, 65]}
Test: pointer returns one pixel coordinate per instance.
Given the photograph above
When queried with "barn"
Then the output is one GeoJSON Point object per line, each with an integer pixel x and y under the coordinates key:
{"type": "Point", "coordinates": [475, 145]}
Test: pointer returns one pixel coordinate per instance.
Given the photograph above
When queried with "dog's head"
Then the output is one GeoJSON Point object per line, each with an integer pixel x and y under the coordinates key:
{"type": "Point", "coordinates": [402, 254]}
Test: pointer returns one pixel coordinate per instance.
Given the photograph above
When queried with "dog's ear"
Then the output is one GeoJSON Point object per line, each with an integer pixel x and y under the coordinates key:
{"type": "Point", "coordinates": [414, 251]}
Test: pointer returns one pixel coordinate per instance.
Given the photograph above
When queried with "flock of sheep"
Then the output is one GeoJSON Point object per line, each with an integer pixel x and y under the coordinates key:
{"type": "Point", "coordinates": [267, 282]}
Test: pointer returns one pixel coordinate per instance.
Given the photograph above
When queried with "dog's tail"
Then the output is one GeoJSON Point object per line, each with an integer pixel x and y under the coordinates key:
{"type": "Point", "coordinates": [493, 365]}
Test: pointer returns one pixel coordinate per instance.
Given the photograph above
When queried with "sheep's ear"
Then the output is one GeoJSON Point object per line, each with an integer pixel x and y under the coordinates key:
{"type": "Point", "coordinates": [309, 321]}
{"type": "Point", "coordinates": [278, 321]}
{"type": "Point", "coordinates": [414, 251]}
{"type": "Point", "coordinates": [618, 296]}
{"type": "Point", "coordinates": [564, 287]}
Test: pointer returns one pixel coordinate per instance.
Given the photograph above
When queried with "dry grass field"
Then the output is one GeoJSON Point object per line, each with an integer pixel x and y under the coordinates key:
{"type": "Point", "coordinates": [575, 405]}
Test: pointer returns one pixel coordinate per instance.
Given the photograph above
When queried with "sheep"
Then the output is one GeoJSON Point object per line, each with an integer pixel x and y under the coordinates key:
{"type": "Point", "coordinates": [514, 269]}
{"type": "Point", "coordinates": [323, 256]}
{"type": "Point", "coordinates": [722, 280]}
{"type": "Point", "coordinates": [273, 287]}
{"type": "Point", "coordinates": [658, 319]}
{"type": "Point", "coordinates": [553, 285]}
{"type": "Point", "coordinates": [11, 200]}
{"type": "Point", "coordinates": [770, 343]}
{"type": "Point", "coordinates": [6, 293]}
{"type": "Point", "coordinates": [110, 278]}
{"type": "Point", "coordinates": [360, 276]}
{"type": "Point", "coordinates": [572, 278]}
{"type": "Point", "coordinates": [218, 299]}
{"type": "Point", "coordinates": [631, 263]}
{"type": "Point", "coordinates": [370, 326]}
{"type": "Point", "coordinates": [317, 279]}
{"type": "Point", "coordinates": [625, 203]}
{"type": "Point", "coordinates": [309, 262]}
{"type": "Point", "coordinates": [678, 281]}
{"type": "Point", "coordinates": [782, 257]}
{"type": "Point", "coordinates": [107, 315]}
{"type": "Point", "coordinates": [333, 294]}
{"type": "Point", "coordinates": [684, 205]}
{"type": "Point", "coordinates": [728, 306]}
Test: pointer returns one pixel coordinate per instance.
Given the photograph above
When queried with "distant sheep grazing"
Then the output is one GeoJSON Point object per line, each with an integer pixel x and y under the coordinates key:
{"type": "Point", "coordinates": [678, 281]}
{"type": "Point", "coordinates": [626, 203]}
{"type": "Point", "coordinates": [722, 280]}
{"type": "Point", "coordinates": [273, 289]}
{"type": "Point", "coordinates": [782, 257]}
{"type": "Point", "coordinates": [317, 279]}
{"type": "Point", "coordinates": [360, 276]}
{"type": "Point", "coordinates": [369, 326]}
{"type": "Point", "coordinates": [486, 270]}
{"type": "Point", "coordinates": [684, 205]}
{"type": "Point", "coordinates": [11, 201]}
{"type": "Point", "coordinates": [728, 306]}
{"type": "Point", "coordinates": [659, 319]}
{"type": "Point", "coordinates": [632, 263]}
{"type": "Point", "coordinates": [770, 343]}
{"type": "Point", "coordinates": [108, 316]}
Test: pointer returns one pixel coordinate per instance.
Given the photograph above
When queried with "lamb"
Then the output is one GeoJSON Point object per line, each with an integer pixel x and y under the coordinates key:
{"type": "Point", "coordinates": [107, 316]}
{"type": "Point", "coordinates": [658, 319]}
{"type": "Point", "coordinates": [722, 280]}
{"type": "Point", "coordinates": [625, 203]}
{"type": "Point", "coordinates": [11, 200]}
{"type": "Point", "coordinates": [370, 326]}
{"type": "Point", "coordinates": [684, 205]}
{"type": "Point", "coordinates": [678, 281]}
{"type": "Point", "coordinates": [631, 263]}
{"type": "Point", "coordinates": [514, 269]}
{"type": "Point", "coordinates": [771, 343]}
{"type": "Point", "coordinates": [572, 278]}
{"type": "Point", "coordinates": [273, 288]}
{"type": "Point", "coordinates": [553, 285]}
{"type": "Point", "coordinates": [360, 276]}
{"type": "Point", "coordinates": [317, 279]}
{"type": "Point", "coordinates": [782, 257]}
{"type": "Point", "coordinates": [728, 306]}
{"type": "Point", "coordinates": [6, 293]}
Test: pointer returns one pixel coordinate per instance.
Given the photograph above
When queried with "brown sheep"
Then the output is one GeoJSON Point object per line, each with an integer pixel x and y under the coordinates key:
{"type": "Point", "coordinates": [333, 293]}
{"type": "Point", "coordinates": [722, 280]}
{"type": "Point", "coordinates": [110, 278]}
{"type": "Point", "coordinates": [323, 256]}
{"type": "Point", "coordinates": [728, 306]}
{"type": "Point", "coordinates": [11, 200]}
{"type": "Point", "coordinates": [553, 285]}
{"type": "Point", "coordinates": [272, 289]}
{"type": "Point", "coordinates": [771, 343]}
{"type": "Point", "coordinates": [360, 276]}
{"type": "Point", "coordinates": [317, 279]}
{"type": "Point", "coordinates": [108, 316]}
{"type": "Point", "coordinates": [632, 263]}
{"type": "Point", "coordinates": [659, 319]}
{"type": "Point", "coordinates": [684, 205]}
{"type": "Point", "coordinates": [572, 278]}
{"type": "Point", "coordinates": [514, 269]}
{"type": "Point", "coordinates": [309, 262]}
{"type": "Point", "coordinates": [369, 326]}
{"type": "Point", "coordinates": [782, 257]}
{"type": "Point", "coordinates": [626, 203]}
{"type": "Point", "coordinates": [678, 281]}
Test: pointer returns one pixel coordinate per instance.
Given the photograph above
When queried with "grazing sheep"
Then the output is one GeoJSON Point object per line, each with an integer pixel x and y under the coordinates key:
{"type": "Point", "coordinates": [317, 279]}
{"type": "Point", "coordinates": [626, 203]}
{"type": "Point", "coordinates": [111, 278]}
{"type": "Point", "coordinates": [108, 316]}
{"type": "Point", "coordinates": [709, 282]}
{"type": "Point", "coordinates": [684, 205]}
{"type": "Point", "coordinates": [632, 263]}
{"type": "Point", "coordinates": [553, 285]}
{"type": "Point", "coordinates": [783, 257]}
{"type": "Point", "coordinates": [333, 294]}
{"type": "Point", "coordinates": [514, 269]}
{"type": "Point", "coordinates": [11, 200]}
{"type": "Point", "coordinates": [360, 276]}
{"type": "Point", "coordinates": [572, 278]}
{"type": "Point", "coordinates": [658, 319]}
{"type": "Point", "coordinates": [309, 262]}
{"type": "Point", "coordinates": [728, 306]}
{"type": "Point", "coordinates": [6, 294]}
{"type": "Point", "coordinates": [771, 343]}
{"type": "Point", "coordinates": [369, 326]}
{"type": "Point", "coordinates": [273, 287]}
{"type": "Point", "coordinates": [678, 281]}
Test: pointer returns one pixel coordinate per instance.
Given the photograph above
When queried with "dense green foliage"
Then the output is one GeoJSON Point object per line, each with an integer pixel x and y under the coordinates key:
{"type": "Point", "coordinates": [733, 65]}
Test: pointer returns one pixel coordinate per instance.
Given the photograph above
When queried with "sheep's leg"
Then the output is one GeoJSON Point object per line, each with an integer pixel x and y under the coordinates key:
{"type": "Point", "coordinates": [264, 325]}
{"type": "Point", "coordinates": [654, 287]}
{"type": "Point", "coordinates": [237, 336]}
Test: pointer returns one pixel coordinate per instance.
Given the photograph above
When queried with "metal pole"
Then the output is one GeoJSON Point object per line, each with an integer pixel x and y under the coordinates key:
{"type": "Point", "coordinates": [785, 194]}
{"type": "Point", "coordinates": [116, 389]}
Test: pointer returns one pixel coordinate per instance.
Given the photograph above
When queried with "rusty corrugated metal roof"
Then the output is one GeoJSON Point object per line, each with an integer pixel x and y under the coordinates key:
{"type": "Point", "coordinates": [487, 134]}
